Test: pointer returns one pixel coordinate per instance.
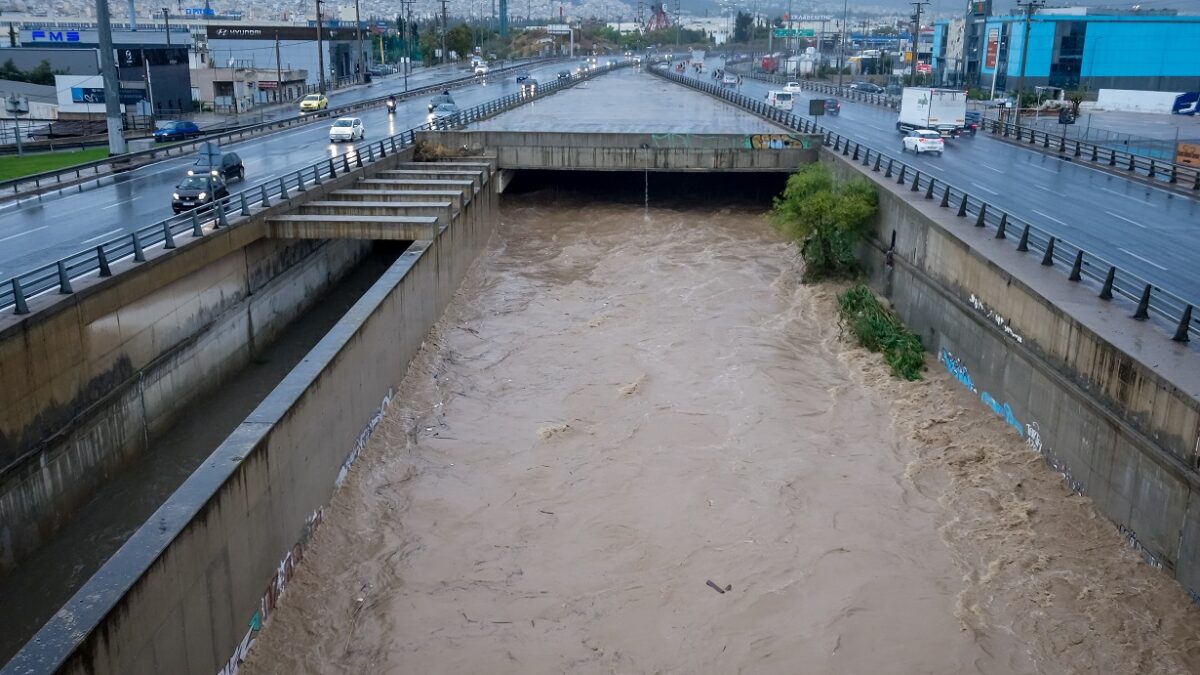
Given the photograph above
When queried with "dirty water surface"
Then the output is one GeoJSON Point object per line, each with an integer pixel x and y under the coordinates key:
{"type": "Point", "coordinates": [635, 444]}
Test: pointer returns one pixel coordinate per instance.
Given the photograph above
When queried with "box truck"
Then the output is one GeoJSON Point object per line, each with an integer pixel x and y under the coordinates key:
{"type": "Point", "coordinates": [942, 110]}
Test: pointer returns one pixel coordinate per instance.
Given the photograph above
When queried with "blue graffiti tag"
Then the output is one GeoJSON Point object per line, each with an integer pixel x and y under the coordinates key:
{"type": "Point", "coordinates": [1004, 411]}
{"type": "Point", "coordinates": [958, 370]}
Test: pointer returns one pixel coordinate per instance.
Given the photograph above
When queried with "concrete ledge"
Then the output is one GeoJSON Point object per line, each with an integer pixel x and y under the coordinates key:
{"type": "Point", "coordinates": [352, 226]}
{"type": "Point", "coordinates": [453, 197]}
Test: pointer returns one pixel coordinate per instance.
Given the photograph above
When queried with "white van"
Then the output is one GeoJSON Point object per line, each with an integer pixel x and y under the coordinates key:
{"type": "Point", "coordinates": [780, 99]}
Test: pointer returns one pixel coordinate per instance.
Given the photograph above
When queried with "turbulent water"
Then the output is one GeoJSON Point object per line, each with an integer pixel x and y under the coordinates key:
{"type": "Point", "coordinates": [624, 405]}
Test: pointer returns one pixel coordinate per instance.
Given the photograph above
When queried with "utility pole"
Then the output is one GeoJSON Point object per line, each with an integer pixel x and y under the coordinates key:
{"type": "Point", "coordinates": [917, 36]}
{"type": "Point", "coordinates": [1029, 7]}
{"type": "Point", "coordinates": [167, 20]}
{"type": "Point", "coordinates": [678, 25]}
{"type": "Point", "coordinates": [112, 87]}
{"type": "Point", "coordinates": [842, 51]}
{"type": "Point", "coordinates": [445, 54]}
{"type": "Point", "coordinates": [278, 71]}
{"type": "Point", "coordinates": [320, 53]}
{"type": "Point", "coordinates": [362, 56]}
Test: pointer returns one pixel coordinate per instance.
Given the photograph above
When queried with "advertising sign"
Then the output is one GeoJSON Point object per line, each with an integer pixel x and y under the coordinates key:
{"type": "Point", "coordinates": [1187, 153]}
{"type": "Point", "coordinates": [96, 95]}
{"type": "Point", "coordinates": [272, 32]}
{"type": "Point", "coordinates": [993, 48]}
{"type": "Point", "coordinates": [794, 32]}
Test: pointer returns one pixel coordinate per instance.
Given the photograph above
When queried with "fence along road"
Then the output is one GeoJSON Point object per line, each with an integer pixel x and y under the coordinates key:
{"type": "Point", "coordinates": [60, 275]}
{"type": "Point", "coordinates": [1084, 265]}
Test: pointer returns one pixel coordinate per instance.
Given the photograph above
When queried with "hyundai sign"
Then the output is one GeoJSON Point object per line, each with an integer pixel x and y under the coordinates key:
{"type": "Point", "coordinates": [55, 36]}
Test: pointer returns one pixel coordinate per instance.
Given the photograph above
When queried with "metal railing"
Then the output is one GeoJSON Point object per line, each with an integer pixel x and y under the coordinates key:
{"type": "Point", "coordinates": [99, 169]}
{"type": "Point", "coordinates": [59, 276]}
{"type": "Point", "coordinates": [1083, 264]}
{"type": "Point", "coordinates": [1180, 176]}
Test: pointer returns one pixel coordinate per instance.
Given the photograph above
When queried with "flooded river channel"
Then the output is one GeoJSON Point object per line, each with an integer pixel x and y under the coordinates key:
{"type": "Point", "coordinates": [636, 444]}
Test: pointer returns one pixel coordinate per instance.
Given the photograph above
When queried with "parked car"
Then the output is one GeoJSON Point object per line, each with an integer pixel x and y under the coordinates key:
{"type": "Point", "coordinates": [564, 74]}
{"type": "Point", "coordinates": [833, 106]}
{"type": "Point", "coordinates": [440, 99]}
{"type": "Point", "coordinates": [197, 191]}
{"type": "Point", "coordinates": [522, 76]}
{"type": "Point", "coordinates": [866, 87]}
{"type": "Point", "coordinates": [347, 129]}
{"type": "Point", "coordinates": [313, 103]}
{"type": "Point", "coordinates": [377, 71]}
{"type": "Point", "coordinates": [226, 165]}
{"type": "Point", "coordinates": [924, 140]}
{"type": "Point", "coordinates": [792, 87]}
{"type": "Point", "coordinates": [179, 130]}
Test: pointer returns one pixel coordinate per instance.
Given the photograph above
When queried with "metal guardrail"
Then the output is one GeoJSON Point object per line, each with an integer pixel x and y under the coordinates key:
{"type": "Point", "coordinates": [1181, 175]}
{"type": "Point", "coordinates": [52, 179]}
{"type": "Point", "coordinates": [1112, 280]}
{"type": "Point", "coordinates": [58, 277]}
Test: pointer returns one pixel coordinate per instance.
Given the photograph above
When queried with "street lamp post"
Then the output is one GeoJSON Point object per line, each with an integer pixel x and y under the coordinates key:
{"type": "Point", "coordinates": [842, 51]}
{"type": "Point", "coordinates": [167, 20]}
{"type": "Point", "coordinates": [362, 60]}
{"type": "Point", "coordinates": [320, 53]}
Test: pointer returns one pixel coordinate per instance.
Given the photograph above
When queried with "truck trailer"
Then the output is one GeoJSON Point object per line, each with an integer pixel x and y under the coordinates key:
{"type": "Point", "coordinates": [942, 110]}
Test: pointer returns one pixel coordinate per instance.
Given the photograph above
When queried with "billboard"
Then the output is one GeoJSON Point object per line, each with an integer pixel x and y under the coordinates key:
{"type": "Point", "coordinates": [273, 32]}
{"type": "Point", "coordinates": [1187, 153]}
{"type": "Point", "coordinates": [993, 48]}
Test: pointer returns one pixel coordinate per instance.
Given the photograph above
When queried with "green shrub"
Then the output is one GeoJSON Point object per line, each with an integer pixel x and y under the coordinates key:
{"type": "Point", "coordinates": [827, 218]}
{"type": "Point", "coordinates": [879, 330]}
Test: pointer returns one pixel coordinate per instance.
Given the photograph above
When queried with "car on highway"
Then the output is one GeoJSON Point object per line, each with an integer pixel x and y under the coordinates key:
{"type": "Point", "coordinates": [177, 130]}
{"type": "Point", "coordinates": [347, 129]}
{"type": "Point", "coordinates": [481, 68]}
{"type": "Point", "coordinates": [866, 87]}
{"type": "Point", "coordinates": [226, 165]}
{"type": "Point", "coordinates": [522, 76]}
{"type": "Point", "coordinates": [444, 112]}
{"type": "Point", "coordinates": [314, 102]}
{"type": "Point", "coordinates": [564, 74]}
{"type": "Point", "coordinates": [197, 191]}
{"type": "Point", "coordinates": [973, 119]}
{"type": "Point", "coordinates": [440, 99]}
{"type": "Point", "coordinates": [833, 107]}
{"type": "Point", "coordinates": [729, 80]}
{"type": "Point", "coordinates": [529, 87]}
{"type": "Point", "coordinates": [792, 87]}
{"type": "Point", "coordinates": [923, 140]}
{"type": "Point", "coordinates": [779, 99]}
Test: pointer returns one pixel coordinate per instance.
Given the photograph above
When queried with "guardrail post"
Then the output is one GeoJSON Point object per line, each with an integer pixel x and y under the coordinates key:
{"type": "Point", "coordinates": [393, 142]}
{"type": "Point", "coordinates": [358, 159]}
{"type": "Point", "coordinates": [245, 204]}
{"type": "Point", "coordinates": [900, 180]}
{"type": "Point", "coordinates": [1046, 140]}
{"type": "Point", "coordinates": [916, 183]}
{"type": "Point", "coordinates": [64, 281]}
{"type": "Point", "coordinates": [138, 254]}
{"type": "Point", "coordinates": [929, 191]}
{"type": "Point", "coordinates": [962, 207]}
{"type": "Point", "coordinates": [102, 261]}
{"type": "Point", "coordinates": [1106, 290]}
{"type": "Point", "coordinates": [1132, 166]}
{"type": "Point", "coordinates": [1143, 308]}
{"type": "Point", "coordinates": [265, 199]}
{"type": "Point", "coordinates": [370, 153]}
{"type": "Point", "coordinates": [888, 174]}
{"type": "Point", "coordinates": [1062, 143]}
{"type": "Point", "coordinates": [878, 157]}
{"type": "Point", "coordinates": [1185, 322]}
{"type": "Point", "coordinates": [382, 151]}
{"type": "Point", "coordinates": [982, 215]}
{"type": "Point", "coordinates": [197, 231]}
{"type": "Point", "coordinates": [846, 147]}
{"type": "Point", "coordinates": [300, 181]}
{"type": "Point", "coordinates": [19, 304]}
{"type": "Point", "coordinates": [345, 164]}
{"type": "Point", "coordinates": [222, 221]}
{"type": "Point", "coordinates": [1095, 153]}
{"type": "Point", "coordinates": [1112, 157]}
{"type": "Point", "coordinates": [168, 236]}
{"type": "Point", "coordinates": [1023, 245]}
{"type": "Point", "coordinates": [316, 175]}
{"type": "Point", "coordinates": [1048, 257]}
{"type": "Point", "coordinates": [855, 157]}
{"type": "Point", "coordinates": [1077, 268]}
{"type": "Point", "coordinates": [1077, 148]}
{"type": "Point", "coordinates": [945, 198]}
{"type": "Point", "coordinates": [332, 169]}
{"type": "Point", "coordinates": [283, 193]}
{"type": "Point", "coordinates": [1150, 174]}
{"type": "Point", "coordinates": [1173, 178]}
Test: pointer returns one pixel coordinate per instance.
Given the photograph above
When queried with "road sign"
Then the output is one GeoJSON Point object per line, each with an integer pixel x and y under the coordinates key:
{"type": "Point", "coordinates": [794, 32]}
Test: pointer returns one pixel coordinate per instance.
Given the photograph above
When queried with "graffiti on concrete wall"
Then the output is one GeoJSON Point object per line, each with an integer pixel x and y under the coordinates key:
{"type": "Point", "coordinates": [363, 437]}
{"type": "Point", "coordinates": [993, 316]}
{"type": "Point", "coordinates": [776, 142]}
{"type": "Point", "coordinates": [958, 370]}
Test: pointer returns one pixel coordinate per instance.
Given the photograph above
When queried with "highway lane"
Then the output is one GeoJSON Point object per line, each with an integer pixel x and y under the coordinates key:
{"type": "Point", "coordinates": [37, 232]}
{"type": "Point", "coordinates": [1140, 228]}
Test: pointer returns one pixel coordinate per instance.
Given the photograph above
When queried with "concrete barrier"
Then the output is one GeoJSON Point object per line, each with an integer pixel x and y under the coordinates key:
{"type": "Point", "coordinates": [1108, 402]}
{"type": "Point", "coordinates": [188, 591]}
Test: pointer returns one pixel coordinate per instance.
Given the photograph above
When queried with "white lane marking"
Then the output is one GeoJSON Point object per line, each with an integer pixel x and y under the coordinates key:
{"type": "Point", "coordinates": [22, 234]}
{"type": "Point", "coordinates": [1124, 196]}
{"type": "Point", "coordinates": [1049, 217]}
{"type": "Point", "coordinates": [935, 168]}
{"type": "Point", "coordinates": [101, 236]}
{"type": "Point", "coordinates": [991, 168]}
{"type": "Point", "coordinates": [991, 192]}
{"type": "Point", "coordinates": [1148, 262]}
{"type": "Point", "coordinates": [1042, 168]}
{"type": "Point", "coordinates": [1131, 222]}
{"type": "Point", "coordinates": [116, 204]}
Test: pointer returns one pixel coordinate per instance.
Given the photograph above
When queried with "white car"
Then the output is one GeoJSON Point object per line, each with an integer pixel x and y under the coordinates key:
{"type": "Point", "coordinates": [923, 140]}
{"type": "Point", "coordinates": [346, 129]}
{"type": "Point", "coordinates": [481, 69]}
{"type": "Point", "coordinates": [792, 87]}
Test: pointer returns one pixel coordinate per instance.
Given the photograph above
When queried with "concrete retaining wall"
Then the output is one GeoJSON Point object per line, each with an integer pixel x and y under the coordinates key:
{"type": "Point", "coordinates": [181, 595]}
{"type": "Point", "coordinates": [1111, 403]}
{"type": "Point", "coordinates": [88, 380]}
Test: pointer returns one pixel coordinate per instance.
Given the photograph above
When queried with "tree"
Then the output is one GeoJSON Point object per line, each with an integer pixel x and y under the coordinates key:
{"type": "Point", "coordinates": [743, 26]}
{"type": "Point", "coordinates": [460, 39]}
{"type": "Point", "coordinates": [42, 73]}
{"type": "Point", "coordinates": [827, 217]}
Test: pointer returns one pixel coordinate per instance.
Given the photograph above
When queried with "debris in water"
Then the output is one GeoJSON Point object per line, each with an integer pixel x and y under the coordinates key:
{"type": "Point", "coordinates": [549, 513]}
{"type": "Point", "coordinates": [552, 430]}
{"type": "Point", "coordinates": [718, 588]}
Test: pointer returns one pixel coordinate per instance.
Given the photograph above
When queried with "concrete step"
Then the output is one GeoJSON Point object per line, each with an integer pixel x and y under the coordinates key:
{"type": "Point", "coordinates": [393, 228]}
{"type": "Point", "coordinates": [487, 166]}
{"type": "Point", "coordinates": [468, 186]}
{"type": "Point", "coordinates": [479, 178]}
{"type": "Point", "coordinates": [455, 197]}
{"type": "Point", "coordinates": [439, 210]}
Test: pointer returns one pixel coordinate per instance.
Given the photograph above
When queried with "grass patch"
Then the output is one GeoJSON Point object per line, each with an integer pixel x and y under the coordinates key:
{"type": "Point", "coordinates": [16, 167]}
{"type": "Point", "coordinates": [879, 330]}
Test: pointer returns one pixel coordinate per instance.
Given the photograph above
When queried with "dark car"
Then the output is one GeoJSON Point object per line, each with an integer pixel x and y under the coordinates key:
{"type": "Point", "coordinates": [179, 130]}
{"type": "Point", "coordinates": [227, 165]}
{"type": "Point", "coordinates": [973, 119]}
{"type": "Point", "coordinates": [866, 87]}
{"type": "Point", "coordinates": [440, 99]}
{"type": "Point", "coordinates": [197, 191]}
{"type": "Point", "coordinates": [522, 76]}
{"type": "Point", "coordinates": [529, 86]}
{"type": "Point", "coordinates": [832, 106]}
{"type": "Point", "coordinates": [564, 74]}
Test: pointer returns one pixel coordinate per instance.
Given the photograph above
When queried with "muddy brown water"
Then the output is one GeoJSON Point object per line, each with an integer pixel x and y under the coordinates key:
{"type": "Point", "coordinates": [623, 405]}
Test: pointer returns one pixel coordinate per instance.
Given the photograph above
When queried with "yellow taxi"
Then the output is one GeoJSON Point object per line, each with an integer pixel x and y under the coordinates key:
{"type": "Point", "coordinates": [314, 102]}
